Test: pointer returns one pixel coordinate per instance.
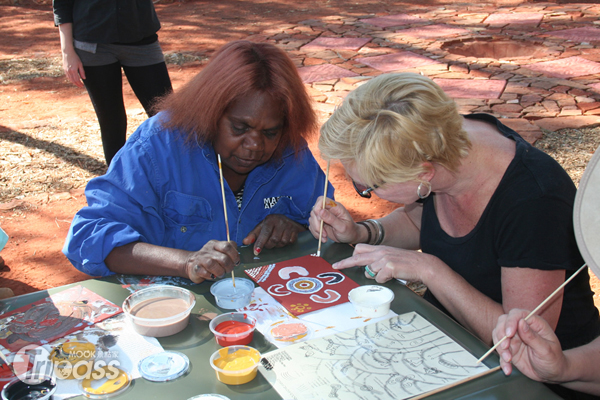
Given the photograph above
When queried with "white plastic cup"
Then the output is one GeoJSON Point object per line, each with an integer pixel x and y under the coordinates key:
{"type": "Point", "coordinates": [371, 301]}
{"type": "Point", "coordinates": [229, 297]}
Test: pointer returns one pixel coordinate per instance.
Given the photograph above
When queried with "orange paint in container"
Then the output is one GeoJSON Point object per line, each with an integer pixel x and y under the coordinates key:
{"type": "Point", "coordinates": [233, 328]}
{"type": "Point", "coordinates": [289, 332]}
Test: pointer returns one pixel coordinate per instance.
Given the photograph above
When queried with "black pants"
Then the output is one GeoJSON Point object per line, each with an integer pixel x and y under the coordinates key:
{"type": "Point", "coordinates": [104, 84]}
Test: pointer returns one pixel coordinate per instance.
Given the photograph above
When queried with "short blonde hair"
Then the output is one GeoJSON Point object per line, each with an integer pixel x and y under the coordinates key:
{"type": "Point", "coordinates": [391, 125]}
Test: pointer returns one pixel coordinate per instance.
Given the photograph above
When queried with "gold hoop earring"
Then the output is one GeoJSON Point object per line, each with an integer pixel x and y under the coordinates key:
{"type": "Point", "coordinates": [420, 189]}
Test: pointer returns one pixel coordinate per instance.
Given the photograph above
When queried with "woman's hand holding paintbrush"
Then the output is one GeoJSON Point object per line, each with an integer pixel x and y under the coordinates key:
{"type": "Point", "coordinates": [338, 225]}
{"type": "Point", "coordinates": [214, 260]}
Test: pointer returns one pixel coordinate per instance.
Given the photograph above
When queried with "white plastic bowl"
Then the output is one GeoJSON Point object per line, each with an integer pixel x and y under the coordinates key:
{"type": "Point", "coordinates": [371, 300]}
{"type": "Point", "coordinates": [137, 309]}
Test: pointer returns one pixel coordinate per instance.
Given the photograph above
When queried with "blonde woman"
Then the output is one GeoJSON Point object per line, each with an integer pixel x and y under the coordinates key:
{"type": "Point", "coordinates": [491, 214]}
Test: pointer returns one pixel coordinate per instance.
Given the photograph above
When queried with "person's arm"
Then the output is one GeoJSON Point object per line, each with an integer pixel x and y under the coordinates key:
{"type": "Point", "coordinates": [72, 65]}
{"type": "Point", "coordinates": [525, 237]}
{"type": "Point", "coordinates": [474, 310]}
{"type": "Point", "coordinates": [138, 220]}
{"type": "Point", "coordinates": [401, 226]}
{"type": "Point", "coordinates": [215, 259]}
{"type": "Point", "coordinates": [479, 313]}
{"type": "Point", "coordinates": [582, 371]}
{"type": "Point", "coordinates": [532, 347]}
{"type": "Point", "coordinates": [471, 308]}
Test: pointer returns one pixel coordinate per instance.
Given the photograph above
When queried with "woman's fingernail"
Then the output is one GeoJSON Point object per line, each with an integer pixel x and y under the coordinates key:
{"type": "Point", "coordinates": [335, 266]}
{"type": "Point", "coordinates": [257, 251]}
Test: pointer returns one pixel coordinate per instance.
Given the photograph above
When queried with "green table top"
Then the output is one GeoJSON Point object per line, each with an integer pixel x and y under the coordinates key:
{"type": "Point", "coordinates": [198, 343]}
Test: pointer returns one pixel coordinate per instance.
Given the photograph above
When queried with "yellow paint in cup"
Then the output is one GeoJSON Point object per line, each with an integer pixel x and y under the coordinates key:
{"type": "Point", "coordinates": [235, 365]}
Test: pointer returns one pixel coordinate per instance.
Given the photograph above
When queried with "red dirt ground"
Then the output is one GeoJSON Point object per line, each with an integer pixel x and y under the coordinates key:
{"type": "Point", "coordinates": [38, 225]}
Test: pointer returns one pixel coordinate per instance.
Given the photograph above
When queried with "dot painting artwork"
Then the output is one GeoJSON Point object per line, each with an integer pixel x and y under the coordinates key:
{"type": "Point", "coordinates": [303, 284]}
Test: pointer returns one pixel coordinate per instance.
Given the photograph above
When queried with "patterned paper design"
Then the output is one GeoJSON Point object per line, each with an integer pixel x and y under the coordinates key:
{"type": "Point", "coordinates": [304, 284]}
{"type": "Point", "coordinates": [56, 316]}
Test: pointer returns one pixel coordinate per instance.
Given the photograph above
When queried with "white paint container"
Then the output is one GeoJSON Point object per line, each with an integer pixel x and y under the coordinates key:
{"type": "Point", "coordinates": [229, 297]}
{"type": "Point", "coordinates": [371, 301]}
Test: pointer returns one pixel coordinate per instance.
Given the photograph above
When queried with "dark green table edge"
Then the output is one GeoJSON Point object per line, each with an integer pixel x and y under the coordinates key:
{"type": "Point", "coordinates": [197, 342]}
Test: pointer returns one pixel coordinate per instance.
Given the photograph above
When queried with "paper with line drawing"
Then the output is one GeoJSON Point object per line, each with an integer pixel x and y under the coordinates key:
{"type": "Point", "coordinates": [393, 359]}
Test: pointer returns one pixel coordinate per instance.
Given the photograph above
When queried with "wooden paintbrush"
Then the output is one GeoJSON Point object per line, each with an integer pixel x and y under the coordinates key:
{"type": "Point", "coordinates": [534, 311]}
{"type": "Point", "coordinates": [225, 208]}
{"type": "Point", "coordinates": [324, 198]}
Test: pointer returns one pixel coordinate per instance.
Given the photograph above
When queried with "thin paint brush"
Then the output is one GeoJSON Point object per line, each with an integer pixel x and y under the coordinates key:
{"type": "Point", "coordinates": [225, 208]}
{"type": "Point", "coordinates": [534, 311]}
{"type": "Point", "coordinates": [324, 198]}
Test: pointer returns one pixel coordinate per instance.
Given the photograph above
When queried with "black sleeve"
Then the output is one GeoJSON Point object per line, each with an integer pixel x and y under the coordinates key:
{"type": "Point", "coordinates": [538, 233]}
{"type": "Point", "coordinates": [63, 11]}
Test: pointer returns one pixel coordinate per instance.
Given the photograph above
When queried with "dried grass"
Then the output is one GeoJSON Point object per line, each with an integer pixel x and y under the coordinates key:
{"type": "Point", "coordinates": [52, 158]}
{"type": "Point", "coordinates": [572, 148]}
{"type": "Point", "coordinates": [17, 69]}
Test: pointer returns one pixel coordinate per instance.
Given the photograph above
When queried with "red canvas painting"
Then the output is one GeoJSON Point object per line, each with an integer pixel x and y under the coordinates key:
{"type": "Point", "coordinates": [303, 284]}
{"type": "Point", "coordinates": [56, 316]}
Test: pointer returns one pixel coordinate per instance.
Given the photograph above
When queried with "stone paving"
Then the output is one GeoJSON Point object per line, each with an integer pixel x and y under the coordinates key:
{"type": "Point", "coordinates": [536, 66]}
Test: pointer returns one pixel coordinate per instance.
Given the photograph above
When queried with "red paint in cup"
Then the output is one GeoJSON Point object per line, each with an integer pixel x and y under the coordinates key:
{"type": "Point", "coordinates": [233, 329]}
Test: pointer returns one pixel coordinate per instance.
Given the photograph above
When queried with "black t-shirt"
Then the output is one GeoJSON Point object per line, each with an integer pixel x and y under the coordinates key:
{"type": "Point", "coordinates": [528, 223]}
{"type": "Point", "coordinates": [109, 21]}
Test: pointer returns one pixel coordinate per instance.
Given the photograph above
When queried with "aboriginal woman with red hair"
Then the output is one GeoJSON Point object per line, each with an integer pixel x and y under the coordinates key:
{"type": "Point", "coordinates": [159, 208]}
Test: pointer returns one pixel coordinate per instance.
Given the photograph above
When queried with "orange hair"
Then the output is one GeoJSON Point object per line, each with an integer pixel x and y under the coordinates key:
{"type": "Point", "coordinates": [237, 69]}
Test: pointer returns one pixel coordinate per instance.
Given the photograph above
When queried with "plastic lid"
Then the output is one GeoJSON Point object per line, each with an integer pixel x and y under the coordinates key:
{"type": "Point", "coordinates": [105, 387]}
{"type": "Point", "coordinates": [165, 366]}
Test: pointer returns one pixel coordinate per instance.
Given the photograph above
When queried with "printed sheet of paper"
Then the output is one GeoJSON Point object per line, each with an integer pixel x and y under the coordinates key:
{"type": "Point", "coordinates": [115, 339]}
{"type": "Point", "coordinates": [269, 313]}
{"type": "Point", "coordinates": [116, 342]}
{"type": "Point", "coordinates": [53, 317]}
{"type": "Point", "coordinates": [393, 359]}
{"type": "Point", "coordinates": [303, 284]}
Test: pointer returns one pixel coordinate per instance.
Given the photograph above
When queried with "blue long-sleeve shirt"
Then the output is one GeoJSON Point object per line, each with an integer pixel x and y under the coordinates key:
{"type": "Point", "coordinates": [162, 191]}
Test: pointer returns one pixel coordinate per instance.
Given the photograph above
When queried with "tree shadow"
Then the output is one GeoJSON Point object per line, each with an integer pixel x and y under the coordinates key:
{"type": "Point", "coordinates": [65, 153]}
{"type": "Point", "coordinates": [18, 288]}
